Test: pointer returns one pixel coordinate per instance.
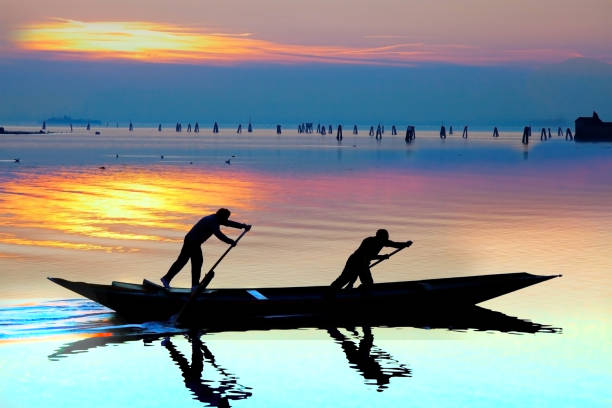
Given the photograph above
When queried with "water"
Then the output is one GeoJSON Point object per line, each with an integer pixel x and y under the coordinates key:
{"type": "Point", "coordinates": [472, 207]}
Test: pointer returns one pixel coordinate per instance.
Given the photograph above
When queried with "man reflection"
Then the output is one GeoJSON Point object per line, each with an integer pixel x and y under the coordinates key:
{"type": "Point", "coordinates": [368, 362]}
{"type": "Point", "coordinates": [192, 374]}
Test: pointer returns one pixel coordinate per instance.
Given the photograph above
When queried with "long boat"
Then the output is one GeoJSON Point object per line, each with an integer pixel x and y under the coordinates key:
{"type": "Point", "coordinates": [215, 307]}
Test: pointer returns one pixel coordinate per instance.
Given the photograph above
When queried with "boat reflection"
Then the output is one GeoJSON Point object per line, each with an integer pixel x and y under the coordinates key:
{"type": "Point", "coordinates": [458, 319]}
{"type": "Point", "coordinates": [469, 318]}
{"type": "Point", "coordinates": [375, 365]}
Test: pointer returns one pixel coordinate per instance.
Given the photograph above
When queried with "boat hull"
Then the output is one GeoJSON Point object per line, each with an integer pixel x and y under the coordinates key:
{"type": "Point", "coordinates": [216, 307]}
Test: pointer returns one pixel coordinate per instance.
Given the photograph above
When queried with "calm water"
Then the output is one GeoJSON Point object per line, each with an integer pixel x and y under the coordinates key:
{"type": "Point", "coordinates": [472, 207]}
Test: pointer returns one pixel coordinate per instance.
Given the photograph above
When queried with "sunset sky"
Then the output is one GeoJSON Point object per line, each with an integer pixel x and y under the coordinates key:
{"type": "Point", "coordinates": [239, 33]}
{"type": "Point", "coordinates": [467, 32]}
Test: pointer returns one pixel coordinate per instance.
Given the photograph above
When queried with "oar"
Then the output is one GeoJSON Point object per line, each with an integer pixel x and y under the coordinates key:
{"type": "Point", "coordinates": [207, 278]}
{"type": "Point", "coordinates": [391, 254]}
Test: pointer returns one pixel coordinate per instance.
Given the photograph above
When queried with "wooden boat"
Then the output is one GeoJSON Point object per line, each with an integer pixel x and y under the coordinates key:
{"type": "Point", "coordinates": [214, 307]}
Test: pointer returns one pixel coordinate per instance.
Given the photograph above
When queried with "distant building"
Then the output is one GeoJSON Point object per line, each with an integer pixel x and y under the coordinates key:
{"type": "Point", "coordinates": [593, 129]}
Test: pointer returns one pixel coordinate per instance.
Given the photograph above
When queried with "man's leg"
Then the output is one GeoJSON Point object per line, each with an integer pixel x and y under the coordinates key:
{"type": "Point", "coordinates": [348, 276]}
{"type": "Point", "coordinates": [342, 280]}
{"type": "Point", "coordinates": [196, 266]}
{"type": "Point", "coordinates": [178, 264]}
{"type": "Point", "coordinates": [365, 276]}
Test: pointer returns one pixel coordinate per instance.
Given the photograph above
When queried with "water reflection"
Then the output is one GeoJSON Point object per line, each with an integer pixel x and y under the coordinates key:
{"type": "Point", "coordinates": [217, 386]}
{"type": "Point", "coordinates": [215, 393]}
{"type": "Point", "coordinates": [63, 219]}
{"type": "Point", "coordinates": [122, 204]}
{"type": "Point", "coordinates": [375, 365]}
{"type": "Point", "coordinates": [204, 390]}
{"type": "Point", "coordinates": [470, 318]}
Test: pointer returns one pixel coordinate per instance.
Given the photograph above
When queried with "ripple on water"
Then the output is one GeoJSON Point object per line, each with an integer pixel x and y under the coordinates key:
{"type": "Point", "coordinates": [67, 317]}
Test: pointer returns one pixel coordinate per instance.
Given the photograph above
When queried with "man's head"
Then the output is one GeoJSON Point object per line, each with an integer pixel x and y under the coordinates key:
{"type": "Point", "coordinates": [382, 235]}
{"type": "Point", "coordinates": [223, 214]}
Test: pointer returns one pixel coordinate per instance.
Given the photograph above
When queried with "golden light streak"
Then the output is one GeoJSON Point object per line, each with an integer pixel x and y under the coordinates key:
{"type": "Point", "coordinates": [166, 43]}
{"type": "Point", "coordinates": [129, 204]}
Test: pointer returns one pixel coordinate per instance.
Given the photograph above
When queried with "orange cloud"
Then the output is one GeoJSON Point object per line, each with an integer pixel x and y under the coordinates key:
{"type": "Point", "coordinates": [157, 42]}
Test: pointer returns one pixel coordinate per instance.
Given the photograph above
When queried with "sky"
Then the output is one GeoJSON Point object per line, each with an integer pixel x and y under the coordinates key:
{"type": "Point", "coordinates": [466, 51]}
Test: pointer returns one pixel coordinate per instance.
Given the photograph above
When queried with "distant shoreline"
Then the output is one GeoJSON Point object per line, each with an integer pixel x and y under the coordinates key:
{"type": "Point", "coordinates": [3, 131]}
{"type": "Point", "coordinates": [31, 128]}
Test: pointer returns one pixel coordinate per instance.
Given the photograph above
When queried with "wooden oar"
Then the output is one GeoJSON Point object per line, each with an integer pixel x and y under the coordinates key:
{"type": "Point", "coordinates": [391, 254]}
{"type": "Point", "coordinates": [207, 278]}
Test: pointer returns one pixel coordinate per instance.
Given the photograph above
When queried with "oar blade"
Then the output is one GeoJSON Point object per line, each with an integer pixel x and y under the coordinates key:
{"type": "Point", "coordinates": [206, 281]}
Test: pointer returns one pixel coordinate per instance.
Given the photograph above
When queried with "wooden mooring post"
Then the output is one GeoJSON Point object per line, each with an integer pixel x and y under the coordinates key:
{"type": "Point", "coordinates": [410, 134]}
{"type": "Point", "coordinates": [526, 135]}
{"type": "Point", "coordinates": [442, 132]}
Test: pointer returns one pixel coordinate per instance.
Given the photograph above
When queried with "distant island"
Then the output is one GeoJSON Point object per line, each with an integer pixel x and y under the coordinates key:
{"type": "Point", "coordinates": [67, 120]}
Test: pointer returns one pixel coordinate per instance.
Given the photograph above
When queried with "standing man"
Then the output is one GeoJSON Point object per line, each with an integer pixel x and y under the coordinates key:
{"type": "Point", "coordinates": [200, 232]}
{"type": "Point", "coordinates": [358, 264]}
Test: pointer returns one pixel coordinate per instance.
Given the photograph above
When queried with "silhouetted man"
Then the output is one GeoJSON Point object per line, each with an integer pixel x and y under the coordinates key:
{"type": "Point", "coordinates": [200, 232]}
{"type": "Point", "coordinates": [358, 264]}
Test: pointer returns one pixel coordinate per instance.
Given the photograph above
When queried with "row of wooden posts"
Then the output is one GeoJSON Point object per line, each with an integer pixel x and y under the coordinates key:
{"type": "Point", "coordinates": [308, 127]}
{"type": "Point", "coordinates": [545, 134]}
{"type": "Point", "coordinates": [196, 128]}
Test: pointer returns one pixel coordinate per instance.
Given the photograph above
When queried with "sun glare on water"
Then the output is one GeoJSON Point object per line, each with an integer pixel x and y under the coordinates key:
{"type": "Point", "coordinates": [68, 209]}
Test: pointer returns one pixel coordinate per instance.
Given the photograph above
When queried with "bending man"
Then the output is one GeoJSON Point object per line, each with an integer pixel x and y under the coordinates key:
{"type": "Point", "coordinates": [200, 232]}
{"type": "Point", "coordinates": [358, 264]}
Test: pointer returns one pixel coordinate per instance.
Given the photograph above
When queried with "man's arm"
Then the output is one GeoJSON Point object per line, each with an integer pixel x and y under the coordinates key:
{"type": "Point", "coordinates": [223, 237]}
{"type": "Point", "coordinates": [398, 245]}
{"type": "Point", "coordinates": [234, 224]}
